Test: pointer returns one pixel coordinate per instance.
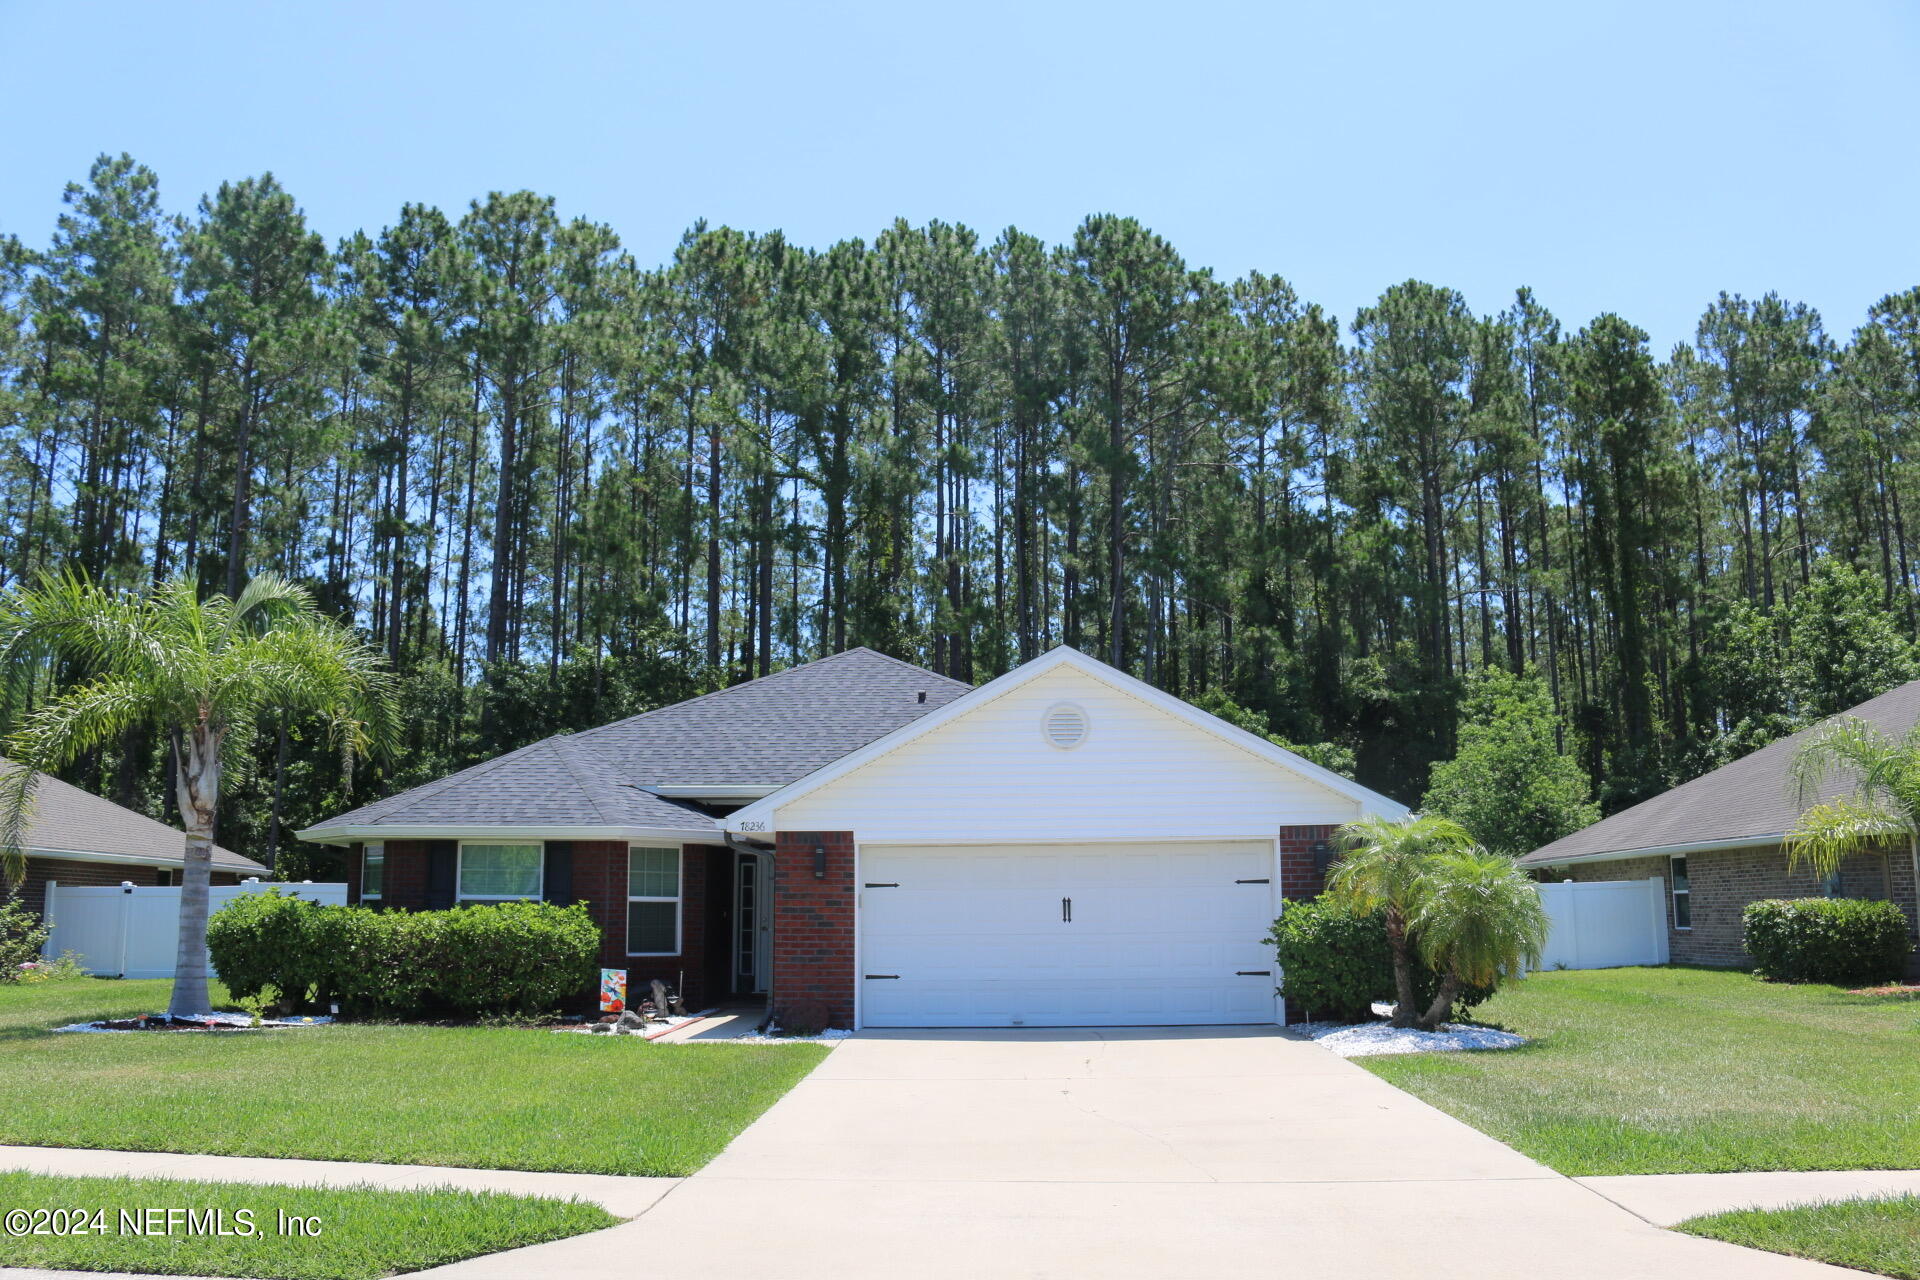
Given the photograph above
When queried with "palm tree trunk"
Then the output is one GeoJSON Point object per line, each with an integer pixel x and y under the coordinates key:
{"type": "Point", "coordinates": [1402, 969]}
{"type": "Point", "coordinates": [197, 788]}
{"type": "Point", "coordinates": [1442, 1004]}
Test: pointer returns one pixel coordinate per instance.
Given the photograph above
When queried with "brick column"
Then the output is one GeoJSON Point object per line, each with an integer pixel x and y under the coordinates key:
{"type": "Point", "coordinates": [1299, 878]}
{"type": "Point", "coordinates": [813, 923]}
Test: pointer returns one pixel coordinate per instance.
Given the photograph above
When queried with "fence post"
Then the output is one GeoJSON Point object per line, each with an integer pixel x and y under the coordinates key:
{"type": "Point", "coordinates": [46, 917]}
{"type": "Point", "coordinates": [1657, 889]}
{"type": "Point", "coordinates": [126, 912]}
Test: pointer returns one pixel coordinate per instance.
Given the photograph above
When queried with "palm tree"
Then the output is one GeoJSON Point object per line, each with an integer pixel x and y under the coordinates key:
{"type": "Point", "coordinates": [1384, 866]}
{"type": "Point", "coordinates": [202, 672]}
{"type": "Point", "coordinates": [1883, 807]}
{"type": "Point", "coordinates": [1479, 918]}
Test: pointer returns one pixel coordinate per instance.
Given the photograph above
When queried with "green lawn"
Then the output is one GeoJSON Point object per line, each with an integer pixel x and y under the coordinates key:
{"type": "Point", "coordinates": [1881, 1236]}
{"type": "Point", "coordinates": [473, 1097]}
{"type": "Point", "coordinates": [1686, 1071]}
{"type": "Point", "coordinates": [360, 1233]}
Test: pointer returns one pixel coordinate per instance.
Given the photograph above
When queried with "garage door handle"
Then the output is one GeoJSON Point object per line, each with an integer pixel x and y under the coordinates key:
{"type": "Point", "coordinates": [1253, 973]}
{"type": "Point", "coordinates": [1066, 911]}
{"type": "Point", "coordinates": [1261, 880]}
{"type": "Point", "coordinates": [871, 976]}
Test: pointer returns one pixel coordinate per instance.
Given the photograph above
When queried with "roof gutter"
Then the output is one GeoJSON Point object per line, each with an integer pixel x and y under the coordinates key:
{"type": "Point", "coordinates": [136, 859]}
{"type": "Point", "coordinates": [1659, 850]}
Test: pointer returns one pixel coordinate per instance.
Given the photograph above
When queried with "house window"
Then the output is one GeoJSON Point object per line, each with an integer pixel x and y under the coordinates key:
{"type": "Point", "coordinates": [1682, 895]}
{"type": "Point", "coordinates": [653, 902]}
{"type": "Point", "coordinates": [373, 870]}
{"type": "Point", "coordinates": [499, 872]}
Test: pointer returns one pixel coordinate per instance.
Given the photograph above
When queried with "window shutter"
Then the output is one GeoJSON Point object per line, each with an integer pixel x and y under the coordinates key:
{"type": "Point", "coordinates": [557, 882]}
{"type": "Point", "coordinates": [440, 871]}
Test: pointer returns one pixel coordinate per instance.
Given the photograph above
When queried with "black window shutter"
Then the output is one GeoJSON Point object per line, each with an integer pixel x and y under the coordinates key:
{"type": "Point", "coordinates": [557, 880]}
{"type": "Point", "coordinates": [440, 871]}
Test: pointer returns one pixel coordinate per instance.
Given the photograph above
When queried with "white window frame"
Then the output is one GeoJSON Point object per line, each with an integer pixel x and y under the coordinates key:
{"type": "Point", "coordinates": [1676, 893]}
{"type": "Point", "coordinates": [460, 869]}
{"type": "Point", "coordinates": [679, 900]}
{"type": "Point", "coordinates": [371, 850]}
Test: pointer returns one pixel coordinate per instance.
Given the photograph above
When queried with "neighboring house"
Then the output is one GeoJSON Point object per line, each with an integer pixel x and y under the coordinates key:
{"type": "Point", "coordinates": [75, 837]}
{"type": "Point", "coordinates": [1064, 845]}
{"type": "Point", "coordinates": [1717, 843]}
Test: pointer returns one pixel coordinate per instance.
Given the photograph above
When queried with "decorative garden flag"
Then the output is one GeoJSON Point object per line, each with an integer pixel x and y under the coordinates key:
{"type": "Point", "coordinates": [613, 990]}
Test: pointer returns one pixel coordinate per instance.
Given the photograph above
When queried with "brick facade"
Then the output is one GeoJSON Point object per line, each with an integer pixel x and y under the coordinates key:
{"type": "Point", "coordinates": [44, 871]}
{"type": "Point", "coordinates": [1723, 881]}
{"type": "Point", "coordinates": [599, 875]}
{"type": "Point", "coordinates": [1301, 877]}
{"type": "Point", "coordinates": [813, 922]}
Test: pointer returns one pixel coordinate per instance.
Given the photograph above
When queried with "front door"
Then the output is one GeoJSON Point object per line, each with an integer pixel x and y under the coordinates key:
{"type": "Point", "coordinates": [753, 933]}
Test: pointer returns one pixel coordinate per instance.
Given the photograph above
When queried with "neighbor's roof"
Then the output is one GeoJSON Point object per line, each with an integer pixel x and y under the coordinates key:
{"type": "Point", "coordinates": [763, 733]}
{"type": "Point", "coordinates": [1752, 801]}
{"type": "Point", "coordinates": [69, 822]}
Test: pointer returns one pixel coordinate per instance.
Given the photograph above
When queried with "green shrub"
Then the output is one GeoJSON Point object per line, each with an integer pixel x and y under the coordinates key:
{"type": "Point", "coordinates": [22, 935]}
{"type": "Point", "coordinates": [1845, 941]}
{"type": "Point", "coordinates": [1335, 962]}
{"type": "Point", "coordinates": [509, 957]}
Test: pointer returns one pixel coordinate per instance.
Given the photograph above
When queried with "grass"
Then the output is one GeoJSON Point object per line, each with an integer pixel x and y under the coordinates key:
{"type": "Point", "coordinates": [471, 1097]}
{"type": "Point", "coordinates": [1878, 1235]}
{"type": "Point", "coordinates": [1686, 1071]}
{"type": "Point", "coordinates": [361, 1232]}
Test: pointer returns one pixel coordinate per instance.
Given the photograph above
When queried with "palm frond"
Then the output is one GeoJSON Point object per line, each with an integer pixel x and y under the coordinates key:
{"type": "Point", "coordinates": [1826, 833]}
{"type": "Point", "coordinates": [1479, 917]}
{"type": "Point", "coordinates": [80, 720]}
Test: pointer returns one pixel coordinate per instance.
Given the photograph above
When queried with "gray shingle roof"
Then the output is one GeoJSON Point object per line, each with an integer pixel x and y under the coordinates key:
{"type": "Point", "coordinates": [766, 732]}
{"type": "Point", "coordinates": [1754, 797]}
{"type": "Point", "coordinates": [66, 819]}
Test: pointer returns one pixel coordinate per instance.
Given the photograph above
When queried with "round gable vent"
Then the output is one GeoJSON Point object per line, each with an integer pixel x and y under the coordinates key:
{"type": "Point", "coordinates": [1064, 726]}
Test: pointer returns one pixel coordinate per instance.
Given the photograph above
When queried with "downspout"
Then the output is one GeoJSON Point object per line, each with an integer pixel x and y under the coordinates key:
{"type": "Point", "coordinates": [738, 845]}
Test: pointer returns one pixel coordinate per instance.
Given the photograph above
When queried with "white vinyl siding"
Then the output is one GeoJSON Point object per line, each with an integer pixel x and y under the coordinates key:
{"type": "Point", "coordinates": [653, 901]}
{"type": "Point", "coordinates": [1140, 774]}
{"type": "Point", "coordinates": [492, 872]}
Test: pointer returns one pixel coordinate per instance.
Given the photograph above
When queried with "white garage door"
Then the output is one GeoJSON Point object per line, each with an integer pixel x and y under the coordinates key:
{"type": "Point", "coordinates": [1065, 935]}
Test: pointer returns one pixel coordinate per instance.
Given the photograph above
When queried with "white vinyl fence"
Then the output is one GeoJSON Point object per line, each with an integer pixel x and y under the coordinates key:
{"type": "Point", "coordinates": [133, 931]}
{"type": "Point", "coordinates": [1601, 924]}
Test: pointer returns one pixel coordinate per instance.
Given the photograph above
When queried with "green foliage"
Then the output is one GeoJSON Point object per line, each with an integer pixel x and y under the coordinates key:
{"type": "Point", "coordinates": [1509, 784]}
{"type": "Point", "coordinates": [1883, 806]}
{"type": "Point", "coordinates": [1844, 941]}
{"type": "Point", "coordinates": [1335, 962]}
{"type": "Point", "coordinates": [1328, 755]}
{"type": "Point", "coordinates": [1480, 918]}
{"type": "Point", "coordinates": [22, 935]}
{"type": "Point", "coordinates": [509, 957]}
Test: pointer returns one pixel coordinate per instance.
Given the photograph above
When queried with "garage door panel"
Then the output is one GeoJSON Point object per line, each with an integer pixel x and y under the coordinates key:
{"type": "Point", "coordinates": [1159, 935]}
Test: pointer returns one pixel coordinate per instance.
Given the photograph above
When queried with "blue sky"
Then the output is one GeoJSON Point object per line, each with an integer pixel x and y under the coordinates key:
{"type": "Point", "coordinates": [1634, 157]}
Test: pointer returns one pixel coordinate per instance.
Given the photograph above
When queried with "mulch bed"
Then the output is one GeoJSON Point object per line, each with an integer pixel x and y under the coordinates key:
{"type": "Point", "coordinates": [1907, 990]}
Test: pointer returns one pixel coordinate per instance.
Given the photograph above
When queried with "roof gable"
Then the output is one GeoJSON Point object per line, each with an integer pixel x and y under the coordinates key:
{"type": "Point", "coordinates": [1241, 746]}
{"type": "Point", "coordinates": [1752, 800]}
{"type": "Point", "coordinates": [759, 734]}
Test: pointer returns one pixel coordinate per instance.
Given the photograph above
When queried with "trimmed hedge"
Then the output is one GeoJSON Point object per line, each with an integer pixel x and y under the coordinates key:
{"type": "Point", "coordinates": [1848, 942]}
{"type": "Point", "coordinates": [1335, 963]}
{"type": "Point", "coordinates": [507, 957]}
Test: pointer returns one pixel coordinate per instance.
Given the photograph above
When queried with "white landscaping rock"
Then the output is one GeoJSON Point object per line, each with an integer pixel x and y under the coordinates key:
{"type": "Point", "coordinates": [1370, 1038]}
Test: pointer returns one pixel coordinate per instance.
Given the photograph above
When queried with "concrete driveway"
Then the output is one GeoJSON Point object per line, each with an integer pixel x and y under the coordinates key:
{"type": "Point", "coordinates": [1115, 1154]}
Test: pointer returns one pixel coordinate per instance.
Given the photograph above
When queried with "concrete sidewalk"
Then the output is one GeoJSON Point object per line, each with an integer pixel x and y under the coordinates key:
{"type": "Point", "coordinates": [1667, 1198]}
{"type": "Point", "coordinates": [622, 1197]}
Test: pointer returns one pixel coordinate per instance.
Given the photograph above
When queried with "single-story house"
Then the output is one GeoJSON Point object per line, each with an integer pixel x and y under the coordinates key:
{"type": "Point", "coordinates": [1064, 845]}
{"type": "Point", "coordinates": [75, 837]}
{"type": "Point", "coordinates": [1717, 842]}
